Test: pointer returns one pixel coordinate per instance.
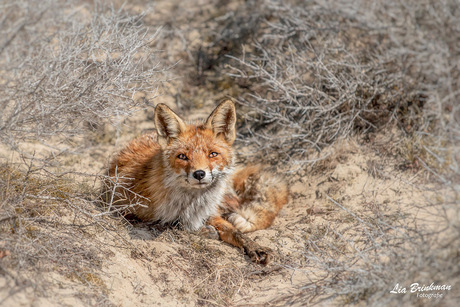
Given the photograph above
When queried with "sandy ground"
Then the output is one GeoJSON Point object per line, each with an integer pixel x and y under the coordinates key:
{"type": "Point", "coordinates": [144, 266]}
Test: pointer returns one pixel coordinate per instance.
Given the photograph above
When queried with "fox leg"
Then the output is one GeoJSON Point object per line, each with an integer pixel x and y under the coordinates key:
{"type": "Point", "coordinates": [261, 196]}
{"type": "Point", "coordinates": [229, 234]}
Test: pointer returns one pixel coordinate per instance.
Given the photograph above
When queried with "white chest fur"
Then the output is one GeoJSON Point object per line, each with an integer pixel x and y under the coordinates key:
{"type": "Point", "coordinates": [191, 208]}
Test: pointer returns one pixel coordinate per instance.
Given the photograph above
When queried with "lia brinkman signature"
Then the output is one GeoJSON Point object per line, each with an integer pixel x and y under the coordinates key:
{"type": "Point", "coordinates": [421, 289]}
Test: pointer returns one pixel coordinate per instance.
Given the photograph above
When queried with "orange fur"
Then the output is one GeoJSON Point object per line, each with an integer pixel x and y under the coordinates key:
{"type": "Point", "coordinates": [185, 176]}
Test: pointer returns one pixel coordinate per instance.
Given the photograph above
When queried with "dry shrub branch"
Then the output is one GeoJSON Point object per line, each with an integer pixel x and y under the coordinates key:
{"type": "Point", "coordinates": [66, 69]}
{"type": "Point", "coordinates": [321, 71]}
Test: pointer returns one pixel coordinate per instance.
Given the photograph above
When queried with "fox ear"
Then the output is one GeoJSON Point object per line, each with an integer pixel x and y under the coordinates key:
{"type": "Point", "coordinates": [169, 125]}
{"type": "Point", "coordinates": [222, 121]}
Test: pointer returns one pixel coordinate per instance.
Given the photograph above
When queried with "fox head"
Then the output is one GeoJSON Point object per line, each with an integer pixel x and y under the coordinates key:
{"type": "Point", "coordinates": [198, 155]}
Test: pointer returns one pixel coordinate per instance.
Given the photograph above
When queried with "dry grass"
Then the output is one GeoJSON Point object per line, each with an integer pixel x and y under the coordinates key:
{"type": "Point", "coordinates": [44, 231]}
{"type": "Point", "coordinates": [323, 71]}
{"type": "Point", "coordinates": [358, 256]}
{"type": "Point", "coordinates": [69, 68]}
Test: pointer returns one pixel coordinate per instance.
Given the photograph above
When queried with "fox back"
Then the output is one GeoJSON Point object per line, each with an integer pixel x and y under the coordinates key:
{"type": "Point", "coordinates": [182, 176]}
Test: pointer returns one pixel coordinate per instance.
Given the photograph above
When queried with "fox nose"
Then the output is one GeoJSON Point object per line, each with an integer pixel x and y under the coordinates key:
{"type": "Point", "coordinates": [199, 174]}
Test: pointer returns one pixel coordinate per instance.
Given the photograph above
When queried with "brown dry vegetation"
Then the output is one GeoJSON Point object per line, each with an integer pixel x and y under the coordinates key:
{"type": "Point", "coordinates": [354, 103]}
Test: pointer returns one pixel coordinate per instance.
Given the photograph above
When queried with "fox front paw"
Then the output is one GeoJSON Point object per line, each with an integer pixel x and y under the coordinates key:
{"type": "Point", "coordinates": [258, 254]}
{"type": "Point", "coordinates": [209, 232]}
{"type": "Point", "coordinates": [241, 223]}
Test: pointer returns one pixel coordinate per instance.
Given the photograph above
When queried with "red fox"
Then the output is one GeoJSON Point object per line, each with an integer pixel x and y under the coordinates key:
{"type": "Point", "coordinates": [187, 176]}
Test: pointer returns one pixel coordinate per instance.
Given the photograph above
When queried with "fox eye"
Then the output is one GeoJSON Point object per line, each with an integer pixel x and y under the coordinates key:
{"type": "Point", "coordinates": [182, 157]}
{"type": "Point", "coordinates": [213, 154]}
